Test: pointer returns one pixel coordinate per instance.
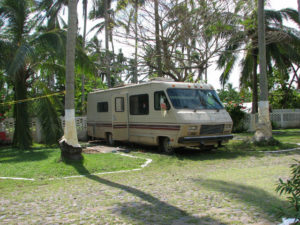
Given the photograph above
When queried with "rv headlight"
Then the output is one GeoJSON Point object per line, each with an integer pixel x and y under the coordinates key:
{"type": "Point", "coordinates": [192, 128]}
{"type": "Point", "coordinates": [228, 126]}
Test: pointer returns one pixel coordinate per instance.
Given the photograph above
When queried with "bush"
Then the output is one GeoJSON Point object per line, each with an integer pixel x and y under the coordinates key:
{"type": "Point", "coordinates": [237, 116]}
{"type": "Point", "coordinates": [292, 188]}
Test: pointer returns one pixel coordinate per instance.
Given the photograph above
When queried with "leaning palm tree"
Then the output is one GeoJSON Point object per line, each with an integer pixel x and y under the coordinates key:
{"type": "Point", "coordinates": [20, 47]}
{"type": "Point", "coordinates": [70, 147]}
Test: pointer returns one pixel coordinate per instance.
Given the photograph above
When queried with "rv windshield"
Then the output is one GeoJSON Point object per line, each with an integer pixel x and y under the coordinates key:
{"type": "Point", "coordinates": [194, 99]}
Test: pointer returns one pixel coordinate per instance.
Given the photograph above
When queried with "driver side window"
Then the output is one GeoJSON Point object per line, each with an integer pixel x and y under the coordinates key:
{"type": "Point", "coordinates": [159, 99]}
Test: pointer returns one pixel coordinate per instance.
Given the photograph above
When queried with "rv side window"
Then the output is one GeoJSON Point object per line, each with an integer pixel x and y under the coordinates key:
{"type": "Point", "coordinates": [119, 104]}
{"type": "Point", "coordinates": [160, 100]}
{"type": "Point", "coordinates": [139, 104]}
{"type": "Point", "coordinates": [102, 107]}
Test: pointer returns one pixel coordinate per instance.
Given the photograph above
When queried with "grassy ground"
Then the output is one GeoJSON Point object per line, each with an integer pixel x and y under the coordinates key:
{"type": "Point", "coordinates": [44, 163]}
{"type": "Point", "coordinates": [228, 186]}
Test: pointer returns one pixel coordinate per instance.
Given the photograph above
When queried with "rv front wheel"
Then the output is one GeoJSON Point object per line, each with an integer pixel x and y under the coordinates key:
{"type": "Point", "coordinates": [109, 139]}
{"type": "Point", "coordinates": [165, 146]}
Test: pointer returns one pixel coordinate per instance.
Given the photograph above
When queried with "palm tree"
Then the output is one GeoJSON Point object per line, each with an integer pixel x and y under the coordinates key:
{"type": "Point", "coordinates": [299, 9]}
{"type": "Point", "coordinates": [264, 128]}
{"type": "Point", "coordinates": [133, 16]}
{"type": "Point", "coordinates": [21, 48]}
{"type": "Point", "coordinates": [52, 12]}
{"type": "Point", "coordinates": [101, 9]}
{"type": "Point", "coordinates": [279, 39]}
{"type": "Point", "coordinates": [84, 3]}
{"type": "Point", "coordinates": [70, 147]}
{"type": "Point", "coordinates": [157, 39]}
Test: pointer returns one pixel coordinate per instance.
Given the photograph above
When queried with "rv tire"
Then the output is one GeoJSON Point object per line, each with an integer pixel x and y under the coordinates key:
{"type": "Point", "coordinates": [109, 139]}
{"type": "Point", "coordinates": [165, 146]}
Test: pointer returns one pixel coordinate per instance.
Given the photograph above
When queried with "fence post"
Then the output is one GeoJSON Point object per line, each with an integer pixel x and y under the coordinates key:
{"type": "Point", "coordinates": [252, 125]}
{"type": "Point", "coordinates": [281, 120]}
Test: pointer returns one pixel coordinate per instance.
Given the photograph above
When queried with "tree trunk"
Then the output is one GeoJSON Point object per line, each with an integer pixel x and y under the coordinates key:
{"type": "Point", "coordinates": [22, 136]}
{"type": "Point", "coordinates": [254, 84]}
{"type": "Point", "coordinates": [107, 60]}
{"type": "Point", "coordinates": [264, 128]}
{"type": "Point", "coordinates": [299, 9]}
{"type": "Point", "coordinates": [135, 76]}
{"type": "Point", "coordinates": [157, 39]}
{"type": "Point", "coordinates": [83, 111]}
{"type": "Point", "coordinates": [69, 145]}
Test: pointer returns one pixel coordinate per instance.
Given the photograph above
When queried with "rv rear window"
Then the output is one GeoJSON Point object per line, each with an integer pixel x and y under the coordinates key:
{"type": "Point", "coordinates": [139, 104]}
{"type": "Point", "coordinates": [102, 107]}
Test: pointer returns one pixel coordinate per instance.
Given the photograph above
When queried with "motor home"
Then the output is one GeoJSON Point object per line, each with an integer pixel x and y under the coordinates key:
{"type": "Point", "coordinates": [161, 113]}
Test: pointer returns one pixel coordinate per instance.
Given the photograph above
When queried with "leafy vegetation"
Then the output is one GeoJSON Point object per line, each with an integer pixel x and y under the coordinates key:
{"type": "Point", "coordinates": [188, 37]}
{"type": "Point", "coordinates": [291, 187]}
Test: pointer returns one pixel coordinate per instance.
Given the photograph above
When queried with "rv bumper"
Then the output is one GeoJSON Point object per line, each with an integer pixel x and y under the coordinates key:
{"type": "Point", "coordinates": [203, 139]}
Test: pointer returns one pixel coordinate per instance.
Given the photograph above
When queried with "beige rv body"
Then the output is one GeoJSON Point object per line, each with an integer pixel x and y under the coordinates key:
{"type": "Point", "coordinates": [181, 127]}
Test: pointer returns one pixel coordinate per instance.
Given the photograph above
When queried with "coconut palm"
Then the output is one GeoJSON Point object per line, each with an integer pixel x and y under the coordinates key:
{"type": "Point", "coordinates": [21, 49]}
{"type": "Point", "coordinates": [102, 10]}
{"type": "Point", "coordinates": [133, 16]}
{"type": "Point", "coordinates": [52, 12]}
{"type": "Point", "coordinates": [264, 128]}
{"type": "Point", "coordinates": [70, 147]}
{"type": "Point", "coordinates": [245, 37]}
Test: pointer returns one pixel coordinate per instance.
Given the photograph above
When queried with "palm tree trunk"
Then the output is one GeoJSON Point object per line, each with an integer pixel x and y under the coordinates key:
{"type": "Point", "coordinates": [254, 84]}
{"type": "Point", "coordinates": [157, 39]}
{"type": "Point", "coordinates": [135, 76]}
{"type": "Point", "coordinates": [22, 137]}
{"type": "Point", "coordinates": [70, 147]}
{"type": "Point", "coordinates": [107, 61]}
{"type": "Point", "coordinates": [299, 9]}
{"type": "Point", "coordinates": [83, 45]}
{"type": "Point", "coordinates": [264, 128]}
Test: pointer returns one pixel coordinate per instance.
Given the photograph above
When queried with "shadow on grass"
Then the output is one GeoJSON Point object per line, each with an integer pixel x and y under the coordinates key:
{"type": "Point", "coordinates": [263, 201]}
{"type": "Point", "coordinates": [14, 155]}
{"type": "Point", "coordinates": [154, 211]}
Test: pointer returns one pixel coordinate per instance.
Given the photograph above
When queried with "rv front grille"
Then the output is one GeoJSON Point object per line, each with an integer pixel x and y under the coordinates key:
{"type": "Point", "coordinates": [212, 129]}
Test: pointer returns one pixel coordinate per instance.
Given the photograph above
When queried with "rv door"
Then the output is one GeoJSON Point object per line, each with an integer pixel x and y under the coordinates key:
{"type": "Point", "coordinates": [120, 117]}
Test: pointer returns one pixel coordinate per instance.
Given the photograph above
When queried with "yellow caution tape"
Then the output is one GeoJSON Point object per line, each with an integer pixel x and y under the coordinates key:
{"type": "Point", "coordinates": [31, 99]}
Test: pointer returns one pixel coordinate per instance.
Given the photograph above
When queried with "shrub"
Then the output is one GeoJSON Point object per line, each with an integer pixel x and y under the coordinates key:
{"type": "Point", "coordinates": [292, 188]}
{"type": "Point", "coordinates": [237, 116]}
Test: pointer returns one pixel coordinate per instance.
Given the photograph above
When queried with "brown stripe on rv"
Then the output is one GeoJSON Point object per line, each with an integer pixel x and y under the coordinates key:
{"type": "Point", "coordinates": [154, 127]}
{"type": "Point", "coordinates": [138, 126]}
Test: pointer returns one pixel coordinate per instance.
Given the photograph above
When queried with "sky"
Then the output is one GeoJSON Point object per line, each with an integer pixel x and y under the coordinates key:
{"type": "Point", "coordinates": [213, 74]}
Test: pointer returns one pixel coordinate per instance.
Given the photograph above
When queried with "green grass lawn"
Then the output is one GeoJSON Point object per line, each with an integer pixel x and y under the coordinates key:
{"type": "Point", "coordinates": [231, 185]}
{"type": "Point", "coordinates": [284, 136]}
{"type": "Point", "coordinates": [44, 163]}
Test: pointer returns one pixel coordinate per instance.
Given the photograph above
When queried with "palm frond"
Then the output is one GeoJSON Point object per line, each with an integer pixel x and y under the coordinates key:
{"type": "Point", "coordinates": [48, 117]}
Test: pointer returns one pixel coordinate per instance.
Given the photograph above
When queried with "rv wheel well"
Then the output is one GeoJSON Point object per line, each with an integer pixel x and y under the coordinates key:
{"type": "Point", "coordinates": [160, 139]}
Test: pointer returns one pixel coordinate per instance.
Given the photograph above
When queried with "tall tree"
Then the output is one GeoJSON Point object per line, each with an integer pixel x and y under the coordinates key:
{"type": "Point", "coordinates": [134, 5]}
{"type": "Point", "coordinates": [22, 49]}
{"type": "Point", "coordinates": [84, 8]}
{"type": "Point", "coordinates": [264, 128]}
{"type": "Point", "coordinates": [102, 10]}
{"type": "Point", "coordinates": [157, 39]}
{"type": "Point", "coordinates": [299, 9]}
{"type": "Point", "coordinates": [281, 44]}
{"type": "Point", "coordinates": [70, 147]}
